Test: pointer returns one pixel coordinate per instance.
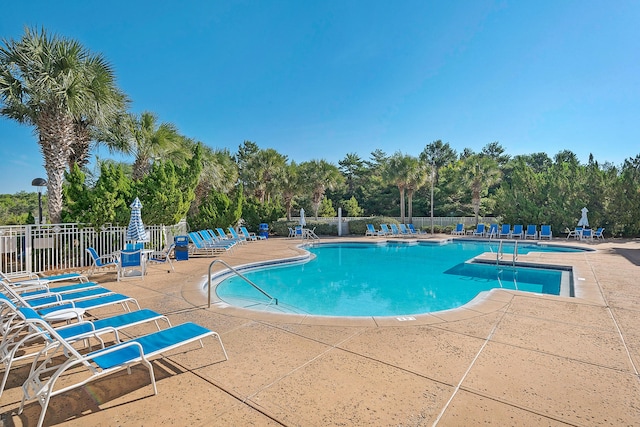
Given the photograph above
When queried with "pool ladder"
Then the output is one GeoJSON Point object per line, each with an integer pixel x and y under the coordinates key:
{"type": "Point", "coordinates": [500, 256]}
{"type": "Point", "coordinates": [237, 273]}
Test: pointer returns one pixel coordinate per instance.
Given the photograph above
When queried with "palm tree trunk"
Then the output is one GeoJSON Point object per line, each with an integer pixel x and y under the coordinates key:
{"type": "Point", "coordinates": [410, 205]}
{"type": "Point", "coordinates": [401, 203]}
{"type": "Point", "coordinates": [55, 129]}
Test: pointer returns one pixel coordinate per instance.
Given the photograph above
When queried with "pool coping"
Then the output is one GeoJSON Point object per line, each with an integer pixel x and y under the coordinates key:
{"type": "Point", "coordinates": [483, 303]}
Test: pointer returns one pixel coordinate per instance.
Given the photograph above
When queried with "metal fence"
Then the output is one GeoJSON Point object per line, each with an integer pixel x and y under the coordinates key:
{"type": "Point", "coordinates": [57, 247]}
{"type": "Point", "coordinates": [418, 221]}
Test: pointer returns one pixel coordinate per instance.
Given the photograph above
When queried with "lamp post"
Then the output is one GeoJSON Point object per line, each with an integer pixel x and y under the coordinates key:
{"type": "Point", "coordinates": [39, 182]}
{"type": "Point", "coordinates": [433, 177]}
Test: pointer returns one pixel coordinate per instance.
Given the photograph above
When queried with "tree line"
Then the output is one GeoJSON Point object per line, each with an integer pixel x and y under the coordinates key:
{"type": "Point", "coordinates": [69, 96]}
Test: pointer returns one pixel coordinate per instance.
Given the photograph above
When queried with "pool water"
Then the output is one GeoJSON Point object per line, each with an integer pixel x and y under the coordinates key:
{"type": "Point", "coordinates": [387, 279]}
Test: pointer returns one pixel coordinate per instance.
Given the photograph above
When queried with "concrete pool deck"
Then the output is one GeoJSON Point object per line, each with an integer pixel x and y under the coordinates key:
{"type": "Point", "coordinates": [511, 358]}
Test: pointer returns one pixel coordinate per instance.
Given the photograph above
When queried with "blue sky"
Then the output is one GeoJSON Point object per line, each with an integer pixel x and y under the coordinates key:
{"type": "Point", "coordinates": [320, 79]}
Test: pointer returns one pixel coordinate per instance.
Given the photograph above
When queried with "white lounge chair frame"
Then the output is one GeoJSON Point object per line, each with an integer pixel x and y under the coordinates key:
{"type": "Point", "coordinates": [41, 382]}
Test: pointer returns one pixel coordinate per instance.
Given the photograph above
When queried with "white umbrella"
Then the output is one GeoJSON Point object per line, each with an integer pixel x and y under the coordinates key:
{"type": "Point", "coordinates": [136, 231]}
{"type": "Point", "coordinates": [303, 222]}
{"type": "Point", "coordinates": [584, 222]}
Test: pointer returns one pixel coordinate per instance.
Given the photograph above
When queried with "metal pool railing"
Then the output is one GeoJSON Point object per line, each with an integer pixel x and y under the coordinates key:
{"type": "Point", "coordinates": [237, 273]}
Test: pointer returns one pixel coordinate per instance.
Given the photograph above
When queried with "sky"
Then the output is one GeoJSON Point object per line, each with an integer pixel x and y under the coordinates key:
{"type": "Point", "coordinates": [321, 79]}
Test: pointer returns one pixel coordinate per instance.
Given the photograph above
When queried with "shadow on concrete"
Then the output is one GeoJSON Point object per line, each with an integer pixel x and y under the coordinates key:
{"type": "Point", "coordinates": [632, 255]}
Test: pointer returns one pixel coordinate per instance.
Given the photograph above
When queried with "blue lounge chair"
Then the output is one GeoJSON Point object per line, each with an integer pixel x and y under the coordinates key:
{"type": "Point", "coordinates": [480, 230]}
{"type": "Point", "coordinates": [493, 231]}
{"type": "Point", "coordinates": [385, 230]}
{"type": "Point", "coordinates": [250, 235]}
{"type": "Point", "coordinates": [19, 333]}
{"type": "Point", "coordinates": [371, 231]}
{"type": "Point", "coordinates": [33, 279]}
{"type": "Point", "coordinates": [518, 231]}
{"type": "Point", "coordinates": [459, 230]}
{"type": "Point", "coordinates": [412, 229]}
{"type": "Point", "coordinates": [545, 232]}
{"type": "Point", "coordinates": [97, 261]}
{"type": "Point", "coordinates": [404, 231]}
{"type": "Point", "coordinates": [505, 231]}
{"type": "Point", "coordinates": [235, 236]}
{"type": "Point", "coordinates": [211, 238]}
{"type": "Point", "coordinates": [222, 236]}
{"type": "Point", "coordinates": [532, 231]}
{"type": "Point", "coordinates": [200, 247]}
{"type": "Point", "coordinates": [46, 307]}
{"type": "Point", "coordinates": [394, 230]}
{"type": "Point", "coordinates": [46, 368]}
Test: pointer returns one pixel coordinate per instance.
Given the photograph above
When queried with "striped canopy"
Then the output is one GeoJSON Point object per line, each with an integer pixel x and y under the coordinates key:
{"type": "Point", "coordinates": [135, 231]}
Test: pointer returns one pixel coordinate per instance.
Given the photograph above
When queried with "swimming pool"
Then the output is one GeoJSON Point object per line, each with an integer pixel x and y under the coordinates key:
{"type": "Point", "coordinates": [361, 279]}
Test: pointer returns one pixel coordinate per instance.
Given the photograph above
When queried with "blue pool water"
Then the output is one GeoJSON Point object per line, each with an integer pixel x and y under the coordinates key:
{"type": "Point", "coordinates": [388, 280]}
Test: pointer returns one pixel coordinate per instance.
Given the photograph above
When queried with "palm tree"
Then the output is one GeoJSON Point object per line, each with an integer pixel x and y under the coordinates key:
{"type": "Point", "coordinates": [417, 178]}
{"type": "Point", "coordinates": [290, 186]}
{"type": "Point", "coordinates": [59, 87]}
{"type": "Point", "coordinates": [319, 176]}
{"type": "Point", "coordinates": [260, 170]}
{"type": "Point", "coordinates": [149, 140]}
{"type": "Point", "coordinates": [480, 172]}
{"type": "Point", "coordinates": [398, 173]}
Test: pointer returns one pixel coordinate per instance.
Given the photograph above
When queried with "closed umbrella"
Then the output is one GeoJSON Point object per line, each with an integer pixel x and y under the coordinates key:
{"type": "Point", "coordinates": [584, 222]}
{"type": "Point", "coordinates": [136, 231]}
{"type": "Point", "coordinates": [303, 222]}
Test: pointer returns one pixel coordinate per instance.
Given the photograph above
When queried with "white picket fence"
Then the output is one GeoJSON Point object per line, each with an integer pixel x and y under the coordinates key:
{"type": "Point", "coordinates": [62, 247]}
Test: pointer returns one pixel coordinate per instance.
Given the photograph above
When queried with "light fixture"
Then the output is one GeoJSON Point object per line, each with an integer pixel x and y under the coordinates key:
{"type": "Point", "coordinates": [39, 182]}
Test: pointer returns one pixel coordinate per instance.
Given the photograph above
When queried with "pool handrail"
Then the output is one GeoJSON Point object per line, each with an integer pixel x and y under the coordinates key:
{"type": "Point", "coordinates": [215, 261]}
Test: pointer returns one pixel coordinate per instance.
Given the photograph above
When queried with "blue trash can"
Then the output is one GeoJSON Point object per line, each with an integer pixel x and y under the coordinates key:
{"type": "Point", "coordinates": [263, 230]}
{"type": "Point", "coordinates": [181, 251]}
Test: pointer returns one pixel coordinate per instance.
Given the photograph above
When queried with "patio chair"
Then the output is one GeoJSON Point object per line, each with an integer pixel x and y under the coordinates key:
{"type": "Point", "coordinates": [576, 233]}
{"type": "Point", "coordinates": [412, 229]}
{"type": "Point", "coordinates": [385, 230]}
{"type": "Point", "coordinates": [505, 231]}
{"type": "Point", "coordinates": [33, 278]}
{"type": "Point", "coordinates": [45, 370]}
{"type": "Point", "coordinates": [211, 238]}
{"type": "Point", "coordinates": [545, 232]}
{"type": "Point", "coordinates": [459, 230]}
{"type": "Point", "coordinates": [235, 236]}
{"type": "Point", "coordinates": [251, 236]}
{"type": "Point", "coordinates": [599, 233]}
{"type": "Point", "coordinates": [223, 237]}
{"type": "Point", "coordinates": [587, 234]}
{"type": "Point", "coordinates": [54, 309]}
{"type": "Point", "coordinates": [493, 231]}
{"type": "Point", "coordinates": [371, 231]}
{"type": "Point", "coordinates": [163, 257]}
{"type": "Point", "coordinates": [97, 261]}
{"type": "Point", "coordinates": [532, 231]}
{"type": "Point", "coordinates": [200, 247]}
{"type": "Point", "coordinates": [131, 265]}
{"type": "Point", "coordinates": [57, 289]}
{"type": "Point", "coordinates": [518, 231]}
{"type": "Point", "coordinates": [394, 230]}
{"type": "Point", "coordinates": [19, 333]}
{"type": "Point", "coordinates": [292, 233]}
{"type": "Point", "coordinates": [404, 231]}
{"type": "Point", "coordinates": [480, 230]}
